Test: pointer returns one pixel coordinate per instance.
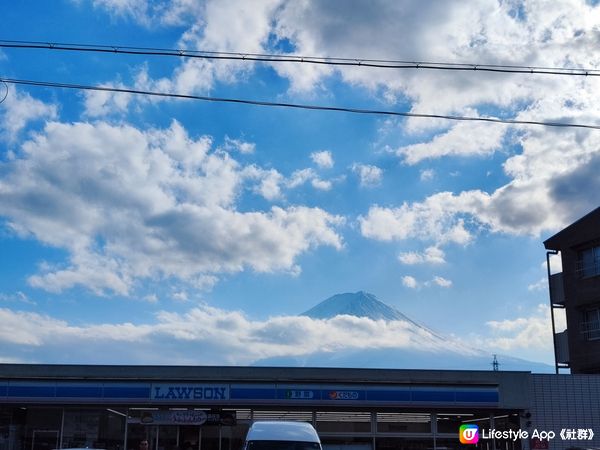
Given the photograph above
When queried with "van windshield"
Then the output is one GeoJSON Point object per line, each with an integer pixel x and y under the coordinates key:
{"type": "Point", "coordinates": [282, 445]}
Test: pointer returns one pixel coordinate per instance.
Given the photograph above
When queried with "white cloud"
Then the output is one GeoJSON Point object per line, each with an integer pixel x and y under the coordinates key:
{"type": "Point", "coordinates": [228, 26]}
{"type": "Point", "coordinates": [180, 296]}
{"type": "Point", "coordinates": [551, 185]}
{"type": "Point", "coordinates": [412, 283]}
{"type": "Point", "coordinates": [18, 296]}
{"type": "Point", "coordinates": [368, 175]}
{"type": "Point", "coordinates": [301, 176]}
{"type": "Point", "coordinates": [527, 336]}
{"type": "Point", "coordinates": [427, 175]}
{"type": "Point", "coordinates": [463, 139]}
{"type": "Point", "coordinates": [439, 219]}
{"type": "Point", "coordinates": [431, 255]}
{"type": "Point", "coordinates": [409, 282]}
{"type": "Point", "coordinates": [322, 159]}
{"type": "Point", "coordinates": [129, 204]}
{"type": "Point", "coordinates": [223, 337]}
{"type": "Point", "coordinates": [540, 285]}
{"type": "Point", "coordinates": [168, 13]}
{"type": "Point", "coordinates": [269, 182]}
{"type": "Point", "coordinates": [20, 108]}
{"type": "Point", "coordinates": [151, 298]}
{"type": "Point", "coordinates": [482, 31]}
{"type": "Point", "coordinates": [533, 332]}
{"type": "Point", "coordinates": [322, 185]}
{"type": "Point", "coordinates": [239, 145]}
{"type": "Point", "coordinates": [442, 282]}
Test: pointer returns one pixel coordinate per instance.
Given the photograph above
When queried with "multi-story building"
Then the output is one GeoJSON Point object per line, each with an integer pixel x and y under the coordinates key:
{"type": "Point", "coordinates": [577, 290]}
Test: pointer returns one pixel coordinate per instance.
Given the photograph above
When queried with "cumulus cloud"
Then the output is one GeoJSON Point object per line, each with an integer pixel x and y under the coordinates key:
{"type": "Point", "coordinates": [551, 181]}
{"type": "Point", "coordinates": [180, 296]}
{"type": "Point", "coordinates": [129, 204]}
{"type": "Point", "coordinates": [527, 335]}
{"type": "Point", "coordinates": [442, 282]}
{"type": "Point", "coordinates": [409, 282]}
{"type": "Point", "coordinates": [427, 174]}
{"type": "Point", "coordinates": [412, 283]}
{"type": "Point", "coordinates": [534, 331]}
{"type": "Point", "coordinates": [167, 13]}
{"type": "Point", "coordinates": [268, 182]}
{"type": "Point", "coordinates": [431, 255]}
{"type": "Point", "coordinates": [239, 145]}
{"type": "Point", "coordinates": [463, 139]}
{"type": "Point", "coordinates": [228, 26]}
{"type": "Point", "coordinates": [437, 219]}
{"type": "Point", "coordinates": [540, 285]}
{"type": "Point", "coordinates": [18, 296]}
{"type": "Point", "coordinates": [20, 108]}
{"type": "Point", "coordinates": [322, 159]}
{"type": "Point", "coordinates": [368, 175]}
{"type": "Point", "coordinates": [223, 337]}
{"type": "Point", "coordinates": [322, 185]}
{"type": "Point", "coordinates": [482, 31]}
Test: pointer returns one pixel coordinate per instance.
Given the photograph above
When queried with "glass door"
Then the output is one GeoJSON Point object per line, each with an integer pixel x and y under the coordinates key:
{"type": "Point", "coordinates": [162, 437]}
{"type": "Point", "coordinates": [44, 440]}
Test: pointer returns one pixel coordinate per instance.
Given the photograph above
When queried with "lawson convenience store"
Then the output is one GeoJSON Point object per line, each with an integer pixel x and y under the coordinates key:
{"type": "Point", "coordinates": [46, 407]}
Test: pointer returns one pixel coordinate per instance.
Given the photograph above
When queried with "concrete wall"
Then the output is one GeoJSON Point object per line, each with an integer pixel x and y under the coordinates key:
{"type": "Point", "coordinates": [565, 401]}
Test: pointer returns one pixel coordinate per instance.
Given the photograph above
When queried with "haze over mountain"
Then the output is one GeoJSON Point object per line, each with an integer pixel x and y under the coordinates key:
{"type": "Point", "coordinates": [418, 347]}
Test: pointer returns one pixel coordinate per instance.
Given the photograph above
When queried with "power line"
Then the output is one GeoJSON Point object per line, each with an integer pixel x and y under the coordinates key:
{"type": "Point", "coordinates": [275, 58]}
{"type": "Point", "coordinates": [6, 93]}
{"type": "Point", "coordinates": [295, 105]}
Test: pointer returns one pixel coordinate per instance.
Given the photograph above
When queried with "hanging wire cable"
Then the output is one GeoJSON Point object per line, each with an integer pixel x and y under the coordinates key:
{"type": "Point", "coordinates": [275, 58]}
{"type": "Point", "coordinates": [6, 93]}
{"type": "Point", "coordinates": [296, 105]}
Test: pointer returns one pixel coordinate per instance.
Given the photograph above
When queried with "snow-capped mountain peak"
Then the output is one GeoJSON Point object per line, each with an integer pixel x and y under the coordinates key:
{"type": "Point", "coordinates": [359, 304]}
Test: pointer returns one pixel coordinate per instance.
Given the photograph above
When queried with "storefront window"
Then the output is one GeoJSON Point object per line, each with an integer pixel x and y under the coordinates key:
{"type": "Point", "coordinates": [449, 423]}
{"type": "Point", "coordinates": [338, 443]}
{"type": "Point", "coordinates": [454, 444]}
{"type": "Point", "coordinates": [188, 428]}
{"type": "Point", "coordinates": [403, 444]}
{"type": "Point", "coordinates": [505, 422]}
{"type": "Point", "coordinates": [343, 422]}
{"type": "Point", "coordinates": [403, 422]}
{"type": "Point", "coordinates": [12, 428]}
{"type": "Point", "coordinates": [94, 428]}
{"type": "Point", "coordinates": [41, 427]}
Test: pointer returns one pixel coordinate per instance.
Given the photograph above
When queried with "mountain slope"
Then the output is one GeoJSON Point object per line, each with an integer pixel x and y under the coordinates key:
{"type": "Point", "coordinates": [420, 347]}
{"type": "Point", "coordinates": [360, 304]}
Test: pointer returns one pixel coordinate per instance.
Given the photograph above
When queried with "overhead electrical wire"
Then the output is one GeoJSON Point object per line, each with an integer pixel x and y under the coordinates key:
{"type": "Point", "coordinates": [290, 58]}
{"type": "Point", "coordinates": [6, 93]}
{"type": "Point", "coordinates": [295, 105]}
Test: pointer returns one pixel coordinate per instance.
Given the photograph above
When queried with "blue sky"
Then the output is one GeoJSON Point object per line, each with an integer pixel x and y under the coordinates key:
{"type": "Point", "coordinates": [131, 224]}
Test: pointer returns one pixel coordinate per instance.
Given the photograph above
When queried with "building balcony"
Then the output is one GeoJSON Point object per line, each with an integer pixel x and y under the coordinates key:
{"type": "Point", "coordinates": [557, 290]}
{"type": "Point", "coordinates": [562, 347]}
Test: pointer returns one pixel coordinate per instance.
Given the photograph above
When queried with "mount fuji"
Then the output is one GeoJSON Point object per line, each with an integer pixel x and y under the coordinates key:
{"type": "Point", "coordinates": [421, 347]}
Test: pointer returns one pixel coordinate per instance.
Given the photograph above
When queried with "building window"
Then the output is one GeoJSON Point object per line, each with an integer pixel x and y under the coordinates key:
{"type": "Point", "coordinates": [591, 324]}
{"type": "Point", "coordinates": [588, 262]}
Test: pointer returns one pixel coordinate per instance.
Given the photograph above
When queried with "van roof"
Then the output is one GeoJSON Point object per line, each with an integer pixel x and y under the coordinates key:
{"type": "Point", "coordinates": [282, 431]}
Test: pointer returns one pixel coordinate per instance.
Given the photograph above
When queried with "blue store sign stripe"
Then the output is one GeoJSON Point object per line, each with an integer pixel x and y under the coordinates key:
{"type": "Point", "coordinates": [274, 393]}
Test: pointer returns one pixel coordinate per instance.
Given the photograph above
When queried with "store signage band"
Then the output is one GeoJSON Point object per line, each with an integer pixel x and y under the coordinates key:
{"type": "Point", "coordinates": [170, 418]}
{"type": "Point", "coordinates": [184, 417]}
{"type": "Point", "coordinates": [184, 392]}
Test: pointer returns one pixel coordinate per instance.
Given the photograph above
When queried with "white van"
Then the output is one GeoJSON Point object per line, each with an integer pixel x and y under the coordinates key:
{"type": "Point", "coordinates": [282, 436]}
